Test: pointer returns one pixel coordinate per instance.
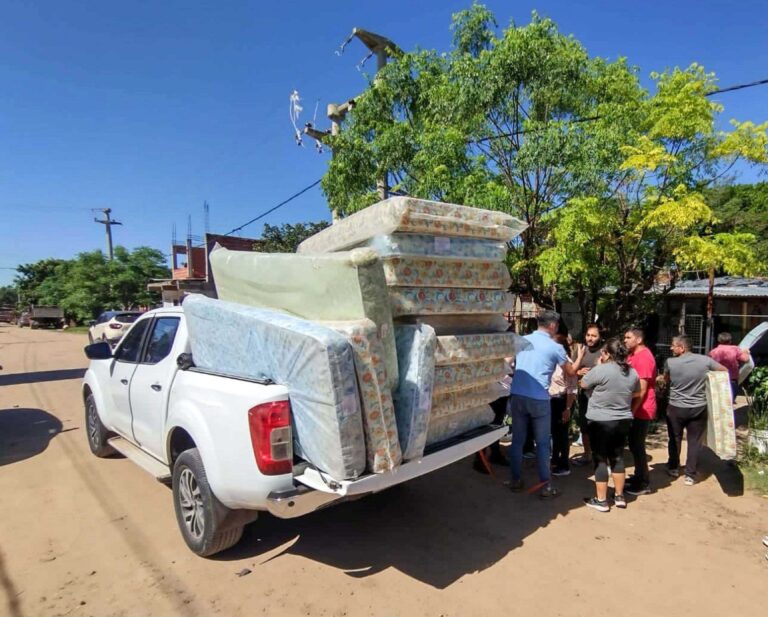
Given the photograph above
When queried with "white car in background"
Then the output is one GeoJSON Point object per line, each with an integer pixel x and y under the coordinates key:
{"type": "Point", "coordinates": [111, 325]}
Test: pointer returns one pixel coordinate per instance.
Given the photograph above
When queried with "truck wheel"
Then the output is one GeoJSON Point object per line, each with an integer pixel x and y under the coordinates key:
{"type": "Point", "coordinates": [97, 432]}
{"type": "Point", "coordinates": [198, 513]}
{"type": "Point", "coordinates": [33, 325]}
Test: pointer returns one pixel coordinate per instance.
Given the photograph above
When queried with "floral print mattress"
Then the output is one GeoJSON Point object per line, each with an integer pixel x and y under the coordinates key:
{"type": "Point", "coordinates": [407, 214]}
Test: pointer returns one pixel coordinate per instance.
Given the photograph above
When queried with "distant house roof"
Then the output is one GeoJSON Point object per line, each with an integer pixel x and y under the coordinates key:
{"type": "Point", "coordinates": [725, 287]}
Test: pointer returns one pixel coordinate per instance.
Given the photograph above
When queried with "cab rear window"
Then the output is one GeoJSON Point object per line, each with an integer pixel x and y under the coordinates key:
{"type": "Point", "coordinates": [127, 318]}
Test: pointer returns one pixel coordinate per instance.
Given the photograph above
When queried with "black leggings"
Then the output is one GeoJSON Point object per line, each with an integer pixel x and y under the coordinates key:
{"type": "Point", "coordinates": [608, 440]}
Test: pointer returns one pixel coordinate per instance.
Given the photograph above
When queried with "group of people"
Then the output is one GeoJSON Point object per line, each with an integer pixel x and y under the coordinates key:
{"type": "Point", "coordinates": [614, 383]}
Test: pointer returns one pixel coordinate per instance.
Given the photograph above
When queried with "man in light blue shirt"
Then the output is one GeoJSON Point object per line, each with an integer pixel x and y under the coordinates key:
{"type": "Point", "coordinates": [530, 398]}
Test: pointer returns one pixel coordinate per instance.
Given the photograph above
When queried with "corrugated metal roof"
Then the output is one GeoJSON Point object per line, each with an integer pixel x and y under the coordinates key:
{"type": "Point", "coordinates": [725, 287]}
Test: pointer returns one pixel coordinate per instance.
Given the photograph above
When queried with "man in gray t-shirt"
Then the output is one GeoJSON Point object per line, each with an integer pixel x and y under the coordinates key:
{"type": "Point", "coordinates": [686, 375]}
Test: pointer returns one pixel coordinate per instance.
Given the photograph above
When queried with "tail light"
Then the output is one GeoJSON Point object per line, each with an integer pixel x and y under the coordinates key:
{"type": "Point", "coordinates": [271, 437]}
{"type": "Point", "coordinates": [116, 326]}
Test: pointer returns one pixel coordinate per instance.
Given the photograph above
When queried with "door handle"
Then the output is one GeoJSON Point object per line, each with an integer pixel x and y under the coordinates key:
{"type": "Point", "coordinates": [156, 387]}
{"type": "Point", "coordinates": [124, 382]}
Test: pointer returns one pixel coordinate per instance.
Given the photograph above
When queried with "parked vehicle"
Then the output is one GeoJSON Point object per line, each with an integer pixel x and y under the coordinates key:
{"type": "Point", "coordinates": [223, 443]}
{"type": "Point", "coordinates": [46, 317]}
{"type": "Point", "coordinates": [7, 314]}
{"type": "Point", "coordinates": [23, 320]}
{"type": "Point", "coordinates": [111, 325]}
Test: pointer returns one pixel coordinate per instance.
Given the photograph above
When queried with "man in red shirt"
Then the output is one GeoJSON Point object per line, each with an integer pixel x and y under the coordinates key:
{"type": "Point", "coordinates": [731, 357]}
{"type": "Point", "coordinates": [643, 409]}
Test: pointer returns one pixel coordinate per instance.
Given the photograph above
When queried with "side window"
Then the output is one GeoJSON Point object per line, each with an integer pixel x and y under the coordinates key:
{"type": "Point", "coordinates": [130, 347]}
{"type": "Point", "coordinates": [161, 339]}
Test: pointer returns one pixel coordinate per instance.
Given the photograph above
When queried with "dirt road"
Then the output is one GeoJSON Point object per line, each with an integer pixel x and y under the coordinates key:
{"type": "Point", "coordinates": [84, 536]}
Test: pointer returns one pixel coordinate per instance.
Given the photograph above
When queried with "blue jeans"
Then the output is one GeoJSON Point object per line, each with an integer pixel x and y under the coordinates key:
{"type": "Point", "coordinates": [521, 408]}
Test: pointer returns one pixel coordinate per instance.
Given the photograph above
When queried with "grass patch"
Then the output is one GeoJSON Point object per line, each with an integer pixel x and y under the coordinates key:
{"type": "Point", "coordinates": [754, 468]}
{"type": "Point", "coordinates": [76, 330]}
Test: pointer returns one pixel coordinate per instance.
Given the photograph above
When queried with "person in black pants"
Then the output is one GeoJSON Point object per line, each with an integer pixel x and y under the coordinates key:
{"type": "Point", "coordinates": [562, 391]}
{"type": "Point", "coordinates": [614, 384]}
{"type": "Point", "coordinates": [686, 375]}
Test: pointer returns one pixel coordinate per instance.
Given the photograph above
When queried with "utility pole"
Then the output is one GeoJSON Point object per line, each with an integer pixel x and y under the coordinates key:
{"type": "Point", "coordinates": [108, 222]}
{"type": "Point", "coordinates": [382, 48]}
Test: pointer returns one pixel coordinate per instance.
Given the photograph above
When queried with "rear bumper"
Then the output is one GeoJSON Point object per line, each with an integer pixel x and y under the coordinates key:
{"type": "Point", "coordinates": [314, 490]}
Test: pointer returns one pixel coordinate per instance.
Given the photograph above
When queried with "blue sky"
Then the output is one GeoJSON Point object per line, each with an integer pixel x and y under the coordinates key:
{"type": "Point", "coordinates": [150, 108]}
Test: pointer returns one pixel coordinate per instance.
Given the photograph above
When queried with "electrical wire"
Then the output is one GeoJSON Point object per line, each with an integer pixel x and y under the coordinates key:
{"type": "Point", "coordinates": [280, 205]}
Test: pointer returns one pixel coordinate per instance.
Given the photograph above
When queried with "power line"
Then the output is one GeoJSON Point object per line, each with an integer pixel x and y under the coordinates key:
{"type": "Point", "coordinates": [280, 205]}
{"type": "Point", "coordinates": [760, 82]}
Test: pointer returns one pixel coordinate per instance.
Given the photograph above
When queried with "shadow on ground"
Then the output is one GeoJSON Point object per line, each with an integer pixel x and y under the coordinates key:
{"type": "Point", "coordinates": [435, 529]}
{"type": "Point", "coordinates": [15, 379]}
{"type": "Point", "coordinates": [24, 433]}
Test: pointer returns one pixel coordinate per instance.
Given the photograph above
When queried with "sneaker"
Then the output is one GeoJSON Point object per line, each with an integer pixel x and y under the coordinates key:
{"type": "Point", "coordinates": [619, 501]}
{"type": "Point", "coordinates": [549, 492]}
{"type": "Point", "coordinates": [514, 485]}
{"type": "Point", "coordinates": [594, 502]}
{"type": "Point", "coordinates": [561, 471]}
{"type": "Point", "coordinates": [506, 440]}
{"type": "Point", "coordinates": [689, 481]}
{"type": "Point", "coordinates": [529, 455]}
{"type": "Point", "coordinates": [635, 490]}
{"type": "Point", "coordinates": [675, 473]}
{"type": "Point", "coordinates": [765, 540]}
{"type": "Point", "coordinates": [579, 461]}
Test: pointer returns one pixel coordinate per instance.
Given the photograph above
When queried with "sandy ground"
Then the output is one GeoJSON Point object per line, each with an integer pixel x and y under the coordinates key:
{"type": "Point", "coordinates": [84, 536]}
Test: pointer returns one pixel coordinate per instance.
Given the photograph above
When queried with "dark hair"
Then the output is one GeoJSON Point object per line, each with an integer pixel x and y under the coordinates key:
{"type": "Point", "coordinates": [638, 332]}
{"type": "Point", "coordinates": [684, 341]}
{"type": "Point", "coordinates": [617, 351]}
{"type": "Point", "coordinates": [592, 325]}
{"type": "Point", "coordinates": [546, 318]}
{"type": "Point", "coordinates": [724, 338]}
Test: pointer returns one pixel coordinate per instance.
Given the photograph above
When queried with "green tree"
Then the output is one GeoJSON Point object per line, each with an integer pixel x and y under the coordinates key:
{"type": "Point", "coordinates": [653, 212]}
{"type": "Point", "coordinates": [8, 295]}
{"type": "Point", "coordinates": [495, 123]}
{"type": "Point", "coordinates": [90, 283]}
{"type": "Point", "coordinates": [742, 208]}
{"type": "Point", "coordinates": [286, 238]}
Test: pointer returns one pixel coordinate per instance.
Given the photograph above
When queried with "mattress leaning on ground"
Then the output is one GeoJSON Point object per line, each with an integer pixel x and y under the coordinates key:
{"type": "Point", "coordinates": [315, 363]}
{"type": "Point", "coordinates": [406, 214]}
{"type": "Point", "coordinates": [336, 287]}
{"type": "Point", "coordinates": [721, 427]}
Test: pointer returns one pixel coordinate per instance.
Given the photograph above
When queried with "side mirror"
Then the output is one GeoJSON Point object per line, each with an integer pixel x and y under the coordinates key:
{"type": "Point", "coordinates": [91, 323]}
{"type": "Point", "coordinates": [98, 351]}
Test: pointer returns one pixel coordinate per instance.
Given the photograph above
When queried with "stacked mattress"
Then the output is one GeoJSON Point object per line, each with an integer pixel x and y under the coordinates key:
{"type": "Point", "coordinates": [447, 281]}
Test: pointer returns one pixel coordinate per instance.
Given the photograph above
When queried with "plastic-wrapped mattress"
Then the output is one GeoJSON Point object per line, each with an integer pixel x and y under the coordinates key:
{"type": "Point", "coordinates": [316, 363]}
{"type": "Point", "coordinates": [449, 403]}
{"type": "Point", "coordinates": [721, 427]}
{"type": "Point", "coordinates": [455, 377]}
{"type": "Point", "coordinates": [479, 323]}
{"type": "Point", "coordinates": [413, 396]}
{"type": "Point", "coordinates": [379, 424]}
{"type": "Point", "coordinates": [459, 349]}
{"type": "Point", "coordinates": [445, 427]}
{"type": "Point", "coordinates": [425, 245]}
{"type": "Point", "coordinates": [336, 287]}
{"type": "Point", "coordinates": [406, 214]}
{"type": "Point", "coordinates": [451, 301]}
{"type": "Point", "coordinates": [415, 271]}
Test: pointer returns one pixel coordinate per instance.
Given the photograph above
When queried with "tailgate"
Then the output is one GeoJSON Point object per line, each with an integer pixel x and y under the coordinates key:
{"type": "Point", "coordinates": [436, 457]}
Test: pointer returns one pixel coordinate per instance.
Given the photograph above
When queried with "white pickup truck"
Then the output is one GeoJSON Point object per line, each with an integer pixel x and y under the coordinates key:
{"type": "Point", "coordinates": [222, 442]}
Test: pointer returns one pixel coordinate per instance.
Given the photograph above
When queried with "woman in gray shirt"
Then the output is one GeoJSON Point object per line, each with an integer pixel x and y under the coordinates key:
{"type": "Point", "coordinates": [613, 384]}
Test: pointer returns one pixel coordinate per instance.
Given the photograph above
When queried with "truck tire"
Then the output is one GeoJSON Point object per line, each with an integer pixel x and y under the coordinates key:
{"type": "Point", "coordinates": [97, 433]}
{"type": "Point", "coordinates": [201, 517]}
{"type": "Point", "coordinates": [33, 325]}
